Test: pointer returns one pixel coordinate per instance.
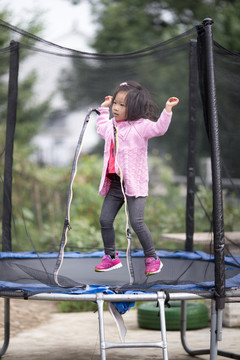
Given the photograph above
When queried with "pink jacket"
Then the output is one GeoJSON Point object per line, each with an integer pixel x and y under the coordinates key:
{"type": "Point", "coordinates": [132, 137]}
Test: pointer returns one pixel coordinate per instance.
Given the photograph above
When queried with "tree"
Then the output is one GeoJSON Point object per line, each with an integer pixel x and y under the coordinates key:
{"type": "Point", "coordinates": [126, 25]}
{"type": "Point", "coordinates": [30, 112]}
{"type": "Point", "coordinates": [129, 25]}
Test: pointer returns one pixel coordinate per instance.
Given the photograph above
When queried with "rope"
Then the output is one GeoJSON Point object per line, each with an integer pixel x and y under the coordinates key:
{"type": "Point", "coordinates": [127, 229]}
{"type": "Point", "coordinates": [67, 226]}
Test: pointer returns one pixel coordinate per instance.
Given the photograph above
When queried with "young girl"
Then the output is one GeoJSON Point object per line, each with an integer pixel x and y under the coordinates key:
{"type": "Point", "coordinates": [125, 160]}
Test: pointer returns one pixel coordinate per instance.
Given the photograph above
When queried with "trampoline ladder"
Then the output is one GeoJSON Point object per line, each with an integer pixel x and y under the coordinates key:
{"type": "Point", "coordinates": [107, 345]}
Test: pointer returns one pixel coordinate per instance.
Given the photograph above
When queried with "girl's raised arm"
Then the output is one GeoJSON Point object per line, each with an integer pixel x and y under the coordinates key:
{"type": "Point", "coordinates": [107, 102]}
{"type": "Point", "coordinates": [171, 102]}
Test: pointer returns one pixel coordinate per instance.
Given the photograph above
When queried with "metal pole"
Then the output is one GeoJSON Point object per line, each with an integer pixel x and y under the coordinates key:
{"type": "Point", "coordinates": [10, 131]}
{"type": "Point", "coordinates": [100, 303]}
{"type": "Point", "coordinates": [213, 338]}
{"type": "Point", "coordinates": [6, 327]}
{"type": "Point", "coordinates": [205, 48]}
{"type": "Point", "coordinates": [191, 145]}
{"type": "Point", "coordinates": [161, 303]}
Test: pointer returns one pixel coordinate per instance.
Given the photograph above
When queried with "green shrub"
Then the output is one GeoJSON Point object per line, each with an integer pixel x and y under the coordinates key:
{"type": "Point", "coordinates": [77, 306]}
{"type": "Point", "coordinates": [40, 198]}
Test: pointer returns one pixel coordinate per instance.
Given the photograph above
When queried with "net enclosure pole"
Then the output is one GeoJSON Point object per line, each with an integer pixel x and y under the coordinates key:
{"type": "Point", "coordinates": [208, 92]}
{"type": "Point", "coordinates": [193, 84]}
{"type": "Point", "coordinates": [10, 132]}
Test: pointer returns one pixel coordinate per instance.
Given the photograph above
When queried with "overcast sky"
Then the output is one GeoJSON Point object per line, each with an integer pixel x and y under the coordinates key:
{"type": "Point", "coordinates": [67, 25]}
{"type": "Point", "coordinates": [59, 17]}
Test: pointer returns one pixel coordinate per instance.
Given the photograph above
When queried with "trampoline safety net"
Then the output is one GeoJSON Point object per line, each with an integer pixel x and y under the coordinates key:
{"type": "Point", "coordinates": [46, 90]}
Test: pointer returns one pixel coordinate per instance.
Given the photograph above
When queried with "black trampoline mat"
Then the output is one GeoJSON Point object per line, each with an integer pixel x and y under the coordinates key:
{"type": "Point", "coordinates": [79, 271]}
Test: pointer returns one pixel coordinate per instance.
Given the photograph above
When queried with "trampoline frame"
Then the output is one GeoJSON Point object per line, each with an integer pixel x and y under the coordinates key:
{"type": "Point", "coordinates": [160, 297]}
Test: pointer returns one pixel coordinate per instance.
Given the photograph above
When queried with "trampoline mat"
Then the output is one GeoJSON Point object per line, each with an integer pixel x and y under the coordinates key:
{"type": "Point", "coordinates": [188, 270]}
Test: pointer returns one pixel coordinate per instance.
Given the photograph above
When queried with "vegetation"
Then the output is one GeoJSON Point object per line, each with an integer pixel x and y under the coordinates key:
{"type": "Point", "coordinates": [31, 113]}
{"type": "Point", "coordinates": [40, 193]}
{"type": "Point", "coordinates": [78, 306]}
{"type": "Point", "coordinates": [40, 197]}
{"type": "Point", "coordinates": [127, 25]}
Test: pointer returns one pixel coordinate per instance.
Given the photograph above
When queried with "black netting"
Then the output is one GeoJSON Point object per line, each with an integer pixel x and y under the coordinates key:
{"type": "Point", "coordinates": [56, 86]}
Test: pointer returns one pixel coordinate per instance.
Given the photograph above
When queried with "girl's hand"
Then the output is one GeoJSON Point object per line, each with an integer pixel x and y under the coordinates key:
{"type": "Point", "coordinates": [107, 102]}
{"type": "Point", "coordinates": [172, 101]}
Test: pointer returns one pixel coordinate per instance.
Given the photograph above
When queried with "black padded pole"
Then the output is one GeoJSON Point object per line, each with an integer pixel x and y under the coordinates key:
{"type": "Point", "coordinates": [10, 131]}
{"type": "Point", "coordinates": [193, 86]}
{"type": "Point", "coordinates": [207, 79]}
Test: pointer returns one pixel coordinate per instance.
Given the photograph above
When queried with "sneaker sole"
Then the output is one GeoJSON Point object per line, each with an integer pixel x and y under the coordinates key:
{"type": "Point", "coordinates": [155, 272]}
{"type": "Point", "coordinates": [118, 266]}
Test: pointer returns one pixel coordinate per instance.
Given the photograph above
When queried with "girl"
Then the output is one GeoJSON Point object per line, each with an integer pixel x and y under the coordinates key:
{"type": "Point", "coordinates": [125, 169]}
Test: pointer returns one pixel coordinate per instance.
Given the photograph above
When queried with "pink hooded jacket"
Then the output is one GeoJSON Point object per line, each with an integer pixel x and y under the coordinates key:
{"type": "Point", "coordinates": [132, 138]}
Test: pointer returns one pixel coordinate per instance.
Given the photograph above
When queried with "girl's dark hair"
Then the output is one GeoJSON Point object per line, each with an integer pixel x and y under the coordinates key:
{"type": "Point", "coordinates": [138, 101]}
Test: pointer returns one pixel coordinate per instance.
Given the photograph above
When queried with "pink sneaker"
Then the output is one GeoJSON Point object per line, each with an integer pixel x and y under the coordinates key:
{"type": "Point", "coordinates": [153, 266]}
{"type": "Point", "coordinates": [108, 264]}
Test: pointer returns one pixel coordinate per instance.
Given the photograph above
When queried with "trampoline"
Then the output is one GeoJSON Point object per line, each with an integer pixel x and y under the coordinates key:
{"type": "Point", "coordinates": [186, 274]}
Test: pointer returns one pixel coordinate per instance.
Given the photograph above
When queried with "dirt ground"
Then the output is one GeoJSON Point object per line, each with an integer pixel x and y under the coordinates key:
{"type": "Point", "coordinates": [26, 314]}
{"type": "Point", "coordinates": [38, 331]}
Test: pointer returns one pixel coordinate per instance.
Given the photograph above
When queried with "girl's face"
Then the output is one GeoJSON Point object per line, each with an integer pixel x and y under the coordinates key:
{"type": "Point", "coordinates": [119, 108]}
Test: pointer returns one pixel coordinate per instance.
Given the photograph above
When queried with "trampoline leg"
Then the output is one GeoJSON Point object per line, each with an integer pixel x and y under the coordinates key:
{"type": "Point", "coordinates": [216, 335]}
{"type": "Point", "coordinates": [6, 326]}
{"type": "Point", "coordinates": [219, 336]}
{"type": "Point", "coordinates": [215, 332]}
{"type": "Point", "coordinates": [213, 344]}
{"type": "Point", "coordinates": [161, 303]}
{"type": "Point", "coordinates": [183, 332]}
{"type": "Point", "coordinates": [100, 303]}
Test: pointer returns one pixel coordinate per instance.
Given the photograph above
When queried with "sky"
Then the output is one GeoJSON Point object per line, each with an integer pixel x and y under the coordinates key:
{"type": "Point", "coordinates": [60, 19]}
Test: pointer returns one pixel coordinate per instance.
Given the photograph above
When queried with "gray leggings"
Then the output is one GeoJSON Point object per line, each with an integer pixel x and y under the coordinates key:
{"type": "Point", "coordinates": [111, 205]}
